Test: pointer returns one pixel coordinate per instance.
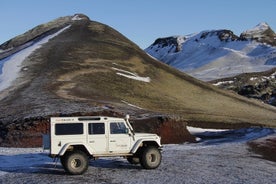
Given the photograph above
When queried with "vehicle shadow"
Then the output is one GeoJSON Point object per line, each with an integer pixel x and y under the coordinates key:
{"type": "Point", "coordinates": [29, 163]}
{"type": "Point", "coordinates": [112, 163]}
{"type": "Point", "coordinates": [41, 164]}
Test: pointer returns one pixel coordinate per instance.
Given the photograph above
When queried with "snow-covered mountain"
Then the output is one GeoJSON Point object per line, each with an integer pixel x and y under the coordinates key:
{"type": "Point", "coordinates": [215, 54]}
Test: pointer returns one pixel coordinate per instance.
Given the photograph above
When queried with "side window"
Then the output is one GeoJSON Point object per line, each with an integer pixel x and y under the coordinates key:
{"type": "Point", "coordinates": [96, 128]}
{"type": "Point", "coordinates": [118, 128]}
{"type": "Point", "coordinates": [69, 129]}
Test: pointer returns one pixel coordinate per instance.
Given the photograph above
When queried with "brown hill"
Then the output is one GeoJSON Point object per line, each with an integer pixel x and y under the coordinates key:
{"type": "Point", "coordinates": [90, 67]}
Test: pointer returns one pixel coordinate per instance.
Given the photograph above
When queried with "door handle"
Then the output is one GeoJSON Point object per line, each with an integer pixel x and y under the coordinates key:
{"type": "Point", "coordinates": [112, 141]}
{"type": "Point", "coordinates": [91, 141]}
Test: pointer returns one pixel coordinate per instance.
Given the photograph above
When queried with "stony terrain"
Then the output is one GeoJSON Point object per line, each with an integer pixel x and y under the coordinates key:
{"type": "Point", "coordinates": [218, 158]}
{"type": "Point", "coordinates": [261, 86]}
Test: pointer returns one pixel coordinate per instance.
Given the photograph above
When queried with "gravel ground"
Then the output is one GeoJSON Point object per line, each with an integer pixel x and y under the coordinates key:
{"type": "Point", "coordinates": [228, 162]}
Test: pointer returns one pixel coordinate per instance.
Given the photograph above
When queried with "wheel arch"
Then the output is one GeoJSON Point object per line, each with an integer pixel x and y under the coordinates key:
{"type": "Point", "coordinates": [144, 143]}
{"type": "Point", "coordinates": [72, 147]}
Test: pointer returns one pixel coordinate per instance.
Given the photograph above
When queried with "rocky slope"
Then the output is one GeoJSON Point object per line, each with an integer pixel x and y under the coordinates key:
{"type": "Point", "coordinates": [75, 66]}
{"type": "Point", "coordinates": [215, 54]}
{"type": "Point", "coordinates": [261, 86]}
{"type": "Point", "coordinates": [261, 33]}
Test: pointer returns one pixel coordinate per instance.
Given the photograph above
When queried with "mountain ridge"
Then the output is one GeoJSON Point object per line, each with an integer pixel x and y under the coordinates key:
{"type": "Point", "coordinates": [214, 54]}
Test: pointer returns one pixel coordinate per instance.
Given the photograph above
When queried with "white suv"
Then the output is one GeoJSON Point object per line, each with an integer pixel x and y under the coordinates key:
{"type": "Point", "coordinates": [75, 140]}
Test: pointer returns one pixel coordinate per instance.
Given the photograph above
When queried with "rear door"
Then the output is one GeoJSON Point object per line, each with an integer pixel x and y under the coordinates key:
{"type": "Point", "coordinates": [97, 137]}
{"type": "Point", "coordinates": [64, 132]}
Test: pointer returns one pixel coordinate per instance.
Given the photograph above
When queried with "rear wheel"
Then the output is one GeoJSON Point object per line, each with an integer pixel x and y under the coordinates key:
{"type": "Point", "coordinates": [150, 158]}
{"type": "Point", "coordinates": [62, 161]}
{"type": "Point", "coordinates": [75, 162]}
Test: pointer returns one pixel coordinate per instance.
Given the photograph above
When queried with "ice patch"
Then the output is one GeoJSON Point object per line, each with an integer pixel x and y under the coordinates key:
{"type": "Point", "coordinates": [232, 136]}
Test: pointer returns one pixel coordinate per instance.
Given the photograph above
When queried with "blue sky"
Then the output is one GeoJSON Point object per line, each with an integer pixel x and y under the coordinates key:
{"type": "Point", "coordinates": [142, 21]}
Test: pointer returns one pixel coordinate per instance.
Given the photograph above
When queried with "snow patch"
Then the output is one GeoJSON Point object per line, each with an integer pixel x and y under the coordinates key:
{"type": "Point", "coordinates": [76, 17]}
{"type": "Point", "coordinates": [131, 104]}
{"type": "Point", "coordinates": [11, 65]}
{"type": "Point", "coordinates": [253, 78]}
{"type": "Point", "coordinates": [223, 82]}
{"type": "Point", "coordinates": [131, 75]}
{"type": "Point", "coordinates": [194, 130]}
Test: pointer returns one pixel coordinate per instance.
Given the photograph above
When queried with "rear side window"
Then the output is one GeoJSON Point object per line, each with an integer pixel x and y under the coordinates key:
{"type": "Point", "coordinates": [96, 128]}
{"type": "Point", "coordinates": [69, 129]}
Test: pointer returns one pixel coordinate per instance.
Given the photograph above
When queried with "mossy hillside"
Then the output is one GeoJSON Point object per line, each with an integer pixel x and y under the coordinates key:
{"type": "Point", "coordinates": [79, 69]}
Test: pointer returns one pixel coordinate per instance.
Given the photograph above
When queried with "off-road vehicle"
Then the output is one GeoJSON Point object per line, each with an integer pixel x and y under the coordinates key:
{"type": "Point", "coordinates": [76, 140]}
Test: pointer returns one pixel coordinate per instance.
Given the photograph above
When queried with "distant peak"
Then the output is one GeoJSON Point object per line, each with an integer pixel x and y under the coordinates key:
{"type": "Point", "coordinates": [261, 33]}
{"type": "Point", "coordinates": [175, 41]}
{"type": "Point", "coordinates": [261, 27]}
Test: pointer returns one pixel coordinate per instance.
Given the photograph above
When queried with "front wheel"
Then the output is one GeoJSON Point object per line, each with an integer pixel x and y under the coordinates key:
{"type": "Point", "coordinates": [76, 162]}
{"type": "Point", "coordinates": [151, 158]}
{"type": "Point", "coordinates": [133, 160]}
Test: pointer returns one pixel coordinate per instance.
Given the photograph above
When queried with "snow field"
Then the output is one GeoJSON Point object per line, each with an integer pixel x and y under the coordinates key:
{"type": "Point", "coordinates": [11, 66]}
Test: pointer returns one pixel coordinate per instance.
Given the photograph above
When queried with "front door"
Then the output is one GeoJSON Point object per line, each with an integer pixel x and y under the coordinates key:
{"type": "Point", "coordinates": [97, 137]}
{"type": "Point", "coordinates": [119, 138]}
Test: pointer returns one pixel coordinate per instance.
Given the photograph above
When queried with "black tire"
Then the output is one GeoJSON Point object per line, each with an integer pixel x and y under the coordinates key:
{"type": "Point", "coordinates": [62, 161]}
{"type": "Point", "coordinates": [150, 158]}
{"type": "Point", "coordinates": [133, 160]}
{"type": "Point", "coordinates": [76, 162]}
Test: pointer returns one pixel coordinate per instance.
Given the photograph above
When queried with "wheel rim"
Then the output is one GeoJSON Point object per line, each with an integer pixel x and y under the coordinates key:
{"type": "Point", "coordinates": [152, 158]}
{"type": "Point", "coordinates": [75, 163]}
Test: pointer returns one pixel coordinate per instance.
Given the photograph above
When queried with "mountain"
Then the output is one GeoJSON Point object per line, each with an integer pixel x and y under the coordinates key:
{"type": "Point", "coordinates": [74, 66]}
{"type": "Point", "coordinates": [261, 33]}
{"type": "Point", "coordinates": [215, 54]}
